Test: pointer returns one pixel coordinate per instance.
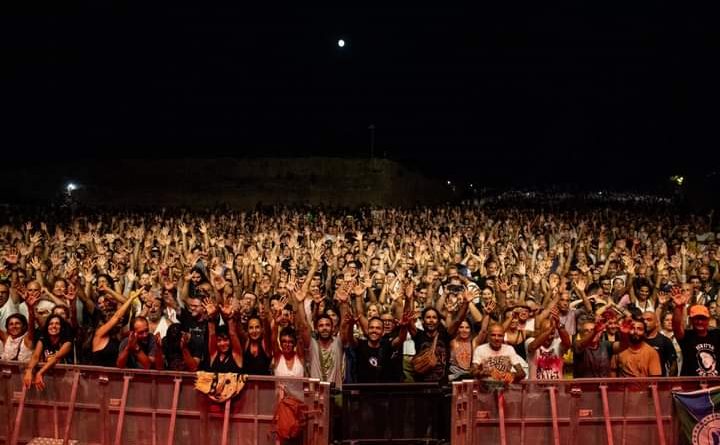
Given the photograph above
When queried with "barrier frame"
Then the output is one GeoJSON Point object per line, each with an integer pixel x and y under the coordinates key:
{"type": "Point", "coordinates": [471, 399]}
{"type": "Point", "coordinates": [110, 406]}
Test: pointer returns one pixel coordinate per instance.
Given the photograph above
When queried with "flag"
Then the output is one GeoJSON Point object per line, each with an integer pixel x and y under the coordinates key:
{"type": "Point", "coordinates": [698, 414]}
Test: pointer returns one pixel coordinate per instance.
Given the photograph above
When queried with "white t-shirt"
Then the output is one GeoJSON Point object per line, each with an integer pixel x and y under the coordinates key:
{"type": "Point", "coordinates": [546, 363]}
{"type": "Point", "coordinates": [503, 360]}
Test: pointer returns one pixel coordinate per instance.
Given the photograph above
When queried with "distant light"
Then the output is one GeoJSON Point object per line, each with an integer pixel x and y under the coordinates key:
{"type": "Point", "coordinates": [70, 187]}
{"type": "Point", "coordinates": [449, 182]}
{"type": "Point", "coordinates": [677, 179]}
{"type": "Point", "coordinates": [471, 186]}
{"type": "Point", "coordinates": [341, 43]}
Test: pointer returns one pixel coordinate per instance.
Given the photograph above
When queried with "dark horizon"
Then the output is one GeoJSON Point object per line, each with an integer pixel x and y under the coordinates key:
{"type": "Point", "coordinates": [549, 94]}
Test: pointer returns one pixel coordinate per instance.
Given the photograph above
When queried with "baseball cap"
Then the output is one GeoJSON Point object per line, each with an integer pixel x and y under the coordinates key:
{"type": "Point", "coordinates": [699, 310]}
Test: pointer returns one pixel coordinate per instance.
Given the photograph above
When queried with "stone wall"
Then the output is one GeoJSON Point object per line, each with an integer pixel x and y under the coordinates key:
{"type": "Point", "coordinates": [240, 183]}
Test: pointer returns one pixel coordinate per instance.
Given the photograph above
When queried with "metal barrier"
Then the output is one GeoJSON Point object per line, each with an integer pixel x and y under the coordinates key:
{"type": "Point", "coordinates": [395, 412]}
{"type": "Point", "coordinates": [587, 411]}
{"type": "Point", "coordinates": [109, 406]}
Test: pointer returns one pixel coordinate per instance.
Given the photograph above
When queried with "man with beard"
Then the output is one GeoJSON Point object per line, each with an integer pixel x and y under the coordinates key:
{"type": "Point", "coordinates": [194, 321]}
{"type": "Point", "coordinates": [140, 349]}
{"type": "Point", "coordinates": [700, 346]}
{"type": "Point", "coordinates": [325, 351]}
{"type": "Point", "coordinates": [639, 359]}
{"type": "Point", "coordinates": [435, 335]}
{"type": "Point", "coordinates": [374, 355]}
{"type": "Point", "coordinates": [154, 311]}
{"type": "Point", "coordinates": [661, 344]}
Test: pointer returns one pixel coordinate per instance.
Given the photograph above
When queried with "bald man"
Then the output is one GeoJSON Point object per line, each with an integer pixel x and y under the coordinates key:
{"type": "Point", "coordinates": [662, 344]}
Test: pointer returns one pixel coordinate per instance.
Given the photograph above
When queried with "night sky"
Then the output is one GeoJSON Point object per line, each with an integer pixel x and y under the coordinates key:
{"type": "Point", "coordinates": [517, 93]}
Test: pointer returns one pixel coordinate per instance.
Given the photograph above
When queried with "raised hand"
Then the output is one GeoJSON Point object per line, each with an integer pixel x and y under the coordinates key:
{"type": "Point", "coordinates": [626, 326]}
{"type": "Point", "coordinates": [35, 263]}
{"type": "Point", "coordinates": [503, 284]}
{"type": "Point", "coordinates": [679, 296]}
{"type": "Point", "coordinates": [11, 256]}
{"type": "Point", "coordinates": [580, 284]}
{"type": "Point", "coordinates": [35, 239]}
{"type": "Point", "coordinates": [341, 294]}
{"type": "Point", "coordinates": [227, 310]}
{"type": "Point", "coordinates": [471, 293]}
{"type": "Point", "coordinates": [210, 308]}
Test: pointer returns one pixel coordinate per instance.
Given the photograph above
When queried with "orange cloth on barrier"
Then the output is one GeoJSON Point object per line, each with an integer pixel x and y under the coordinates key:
{"type": "Point", "coordinates": [643, 362]}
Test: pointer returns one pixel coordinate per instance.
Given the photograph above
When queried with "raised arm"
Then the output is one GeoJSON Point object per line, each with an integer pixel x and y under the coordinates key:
{"type": "Point", "coordinates": [105, 329]}
{"type": "Point", "coordinates": [680, 298]}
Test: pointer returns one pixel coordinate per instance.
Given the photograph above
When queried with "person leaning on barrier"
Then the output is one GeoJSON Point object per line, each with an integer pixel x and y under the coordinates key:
{"type": "Point", "coordinates": [54, 346]}
{"type": "Point", "coordinates": [17, 339]}
{"type": "Point", "coordinates": [434, 335]}
{"type": "Point", "coordinates": [593, 352]}
{"type": "Point", "coordinates": [373, 355]}
{"type": "Point", "coordinates": [700, 346]}
{"type": "Point", "coordinates": [495, 360]}
{"type": "Point", "coordinates": [140, 350]}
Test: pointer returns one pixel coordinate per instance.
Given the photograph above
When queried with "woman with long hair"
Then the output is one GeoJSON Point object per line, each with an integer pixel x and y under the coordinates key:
{"type": "Point", "coordinates": [106, 340]}
{"type": "Point", "coordinates": [54, 346]}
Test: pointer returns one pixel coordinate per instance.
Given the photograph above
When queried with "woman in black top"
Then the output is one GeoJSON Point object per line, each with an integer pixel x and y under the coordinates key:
{"type": "Point", "coordinates": [225, 350]}
{"type": "Point", "coordinates": [258, 350]}
{"type": "Point", "coordinates": [105, 342]}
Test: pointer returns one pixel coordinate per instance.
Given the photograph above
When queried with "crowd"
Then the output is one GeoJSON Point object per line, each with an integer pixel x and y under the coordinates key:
{"type": "Point", "coordinates": [373, 295]}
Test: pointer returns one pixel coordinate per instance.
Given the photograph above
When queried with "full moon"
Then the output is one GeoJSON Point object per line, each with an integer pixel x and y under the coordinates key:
{"type": "Point", "coordinates": [341, 43]}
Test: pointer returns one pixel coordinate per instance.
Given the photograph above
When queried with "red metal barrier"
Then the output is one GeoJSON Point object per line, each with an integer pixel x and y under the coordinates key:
{"type": "Point", "coordinates": [587, 411]}
{"type": "Point", "coordinates": [103, 406]}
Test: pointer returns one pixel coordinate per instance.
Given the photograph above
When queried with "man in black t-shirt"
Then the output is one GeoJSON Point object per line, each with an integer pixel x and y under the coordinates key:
{"type": "Point", "coordinates": [373, 355]}
{"type": "Point", "coordinates": [193, 321]}
{"type": "Point", "coordinates": [661, 344]}
{"type": "Point", "coordinates": [700, 346]}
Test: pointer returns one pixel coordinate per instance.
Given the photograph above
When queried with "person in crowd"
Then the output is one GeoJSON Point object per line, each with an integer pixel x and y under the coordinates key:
{"type": "Point", "coordinates": [667, 331]}
{"type": "Point", "coordinates": [639, 359]}
{"type": "Point", "coordinates": [107, 338]}
{"type": "Point", "coordinates": [700, 346]}
{"type": "Point", "coordinates": [497, 361]}
{"type": "Point", "coordinates": [140, 349]}
{"type": "Point", "coordinates": [54, 346]}
{"type": "Point", "coordinates": [225, 353]}
{"type": "Point", "coordinates": [545, 352]}
{"type": "Point", "coordinates": [527, 261]}
{"type": "Point", "coordinates": [662, 345]}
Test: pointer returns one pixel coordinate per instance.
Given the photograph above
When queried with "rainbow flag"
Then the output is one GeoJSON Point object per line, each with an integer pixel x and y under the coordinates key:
{"type": "Point", "coordinates": [698, 414]}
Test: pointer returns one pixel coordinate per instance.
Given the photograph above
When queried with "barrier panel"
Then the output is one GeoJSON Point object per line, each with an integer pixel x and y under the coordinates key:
{"type": "Point", "coordinates": [108, 406]}
{"type": "Point", "coordinates": [587, 411]}
{"type": "Point", "coordinates": [395, 412]}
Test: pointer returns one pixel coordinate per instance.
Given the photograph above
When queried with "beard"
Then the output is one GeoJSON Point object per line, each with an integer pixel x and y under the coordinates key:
{"type": "Point", "coordinates": [636, 339]}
